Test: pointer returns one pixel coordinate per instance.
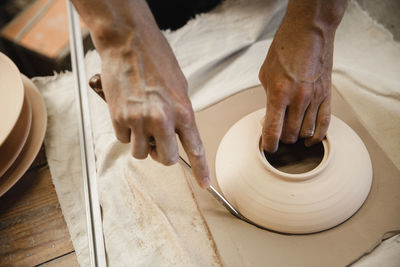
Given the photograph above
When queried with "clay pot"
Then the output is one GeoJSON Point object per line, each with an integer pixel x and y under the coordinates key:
{"type": "Point", "coordinates": [286, 198]}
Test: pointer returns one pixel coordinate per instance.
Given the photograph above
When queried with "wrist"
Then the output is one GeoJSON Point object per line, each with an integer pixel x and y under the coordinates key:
{"type": "Point", "coordinates": [109, 41]}
{"type": "Point", "coordinates": [324, 15]}
{"type": "Point", "coordinates": [123, 28]}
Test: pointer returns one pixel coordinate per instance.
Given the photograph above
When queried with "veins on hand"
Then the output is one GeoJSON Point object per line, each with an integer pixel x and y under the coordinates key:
{"type": "Point", "coordinates": [314, 51]}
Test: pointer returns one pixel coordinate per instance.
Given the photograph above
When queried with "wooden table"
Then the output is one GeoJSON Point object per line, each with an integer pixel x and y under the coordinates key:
{"type": "Point", "coordinates": [33, 231]}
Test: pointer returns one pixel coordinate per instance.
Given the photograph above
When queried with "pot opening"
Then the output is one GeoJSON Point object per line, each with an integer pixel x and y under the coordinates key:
{"type": "Point", "coordinates": [296, 158]}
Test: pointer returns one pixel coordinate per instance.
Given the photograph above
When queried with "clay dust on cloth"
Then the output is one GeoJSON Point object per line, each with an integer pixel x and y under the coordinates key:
{"type": "Point", "coordinates": [150, 217]}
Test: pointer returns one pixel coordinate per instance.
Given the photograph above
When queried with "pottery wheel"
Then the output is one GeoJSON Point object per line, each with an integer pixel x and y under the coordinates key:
{"type": "Point", "coordinates": [297, 203]}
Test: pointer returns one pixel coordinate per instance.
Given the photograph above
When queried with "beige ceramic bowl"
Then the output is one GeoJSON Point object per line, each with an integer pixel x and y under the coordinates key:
{"type": "Point", "coordinates": [297, 203]}
{"type": "Point", "coordinates": [11, 96]}
{"type": "Point", "coordinates": [12, 146]}
{"type": "Point", "coordinates": [34, 141]}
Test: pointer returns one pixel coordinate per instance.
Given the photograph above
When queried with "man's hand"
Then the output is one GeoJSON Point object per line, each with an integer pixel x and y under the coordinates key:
{"type": "Point", "coordinates": [145, 88]}
{"type": "Point", "coordinates": [296, 74]}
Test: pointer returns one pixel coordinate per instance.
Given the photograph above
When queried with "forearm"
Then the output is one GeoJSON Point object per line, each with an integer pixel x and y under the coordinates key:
{"type": "Point", "coordinates": [307, 32]}
{"type": "Point", "coordinates": [125, 32]}
{"type": "Point", "coordinates": [116, 23]}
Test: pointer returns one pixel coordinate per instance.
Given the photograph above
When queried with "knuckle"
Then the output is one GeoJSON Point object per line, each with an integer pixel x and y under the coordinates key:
{"type": "Point", "coordinates": [304, 94]}
{"type": "Point", "coordinates": [280, 91]}
{"type": "Point", "coordinates": [279, 85]}
{"type": "Point", "coordinates": [185, 113]}
{"type": "Point", "coordinates": [133, 118]}
{"type": "Point", "coordinates": [197, 151]}
{"type": "Point", "coordinates": [119, 117]}
{"type": "Point", "coordinates": [279, 98]}
{"type": "Point", "coordinates": [158, 117]}
{"type": "Point", "coordinates": [124, 118]}
{"type": "Point", "coordinates": [319, 96]}
{"type": "Point", "coordinates": [170, 160]}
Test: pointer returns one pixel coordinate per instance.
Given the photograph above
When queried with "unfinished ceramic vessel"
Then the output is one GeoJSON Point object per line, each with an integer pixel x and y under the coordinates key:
{"type": "Point", "coordinates": [11, 96]}
{"type": "Point", "coordinates": [295, 197]}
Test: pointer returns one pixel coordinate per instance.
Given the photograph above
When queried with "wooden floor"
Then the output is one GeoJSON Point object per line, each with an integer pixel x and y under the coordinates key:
{"type": "Point", "coordinates": [33, 231]}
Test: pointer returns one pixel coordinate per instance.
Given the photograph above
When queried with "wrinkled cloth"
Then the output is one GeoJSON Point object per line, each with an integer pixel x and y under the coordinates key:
{"type": "Point", "coordinates": [149, 214]}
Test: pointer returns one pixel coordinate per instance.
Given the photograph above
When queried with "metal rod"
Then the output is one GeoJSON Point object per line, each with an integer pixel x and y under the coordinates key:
{"type": "Point", "coordinates": [217, 196]}
{"type": "Point", "coordinates": [92, 207]}
{"type": "Point", "coordinates": [224, 202]}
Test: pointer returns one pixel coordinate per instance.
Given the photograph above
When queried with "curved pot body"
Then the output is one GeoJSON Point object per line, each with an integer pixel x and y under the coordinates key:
{"type": "Point", "coordinates": [294, 203]}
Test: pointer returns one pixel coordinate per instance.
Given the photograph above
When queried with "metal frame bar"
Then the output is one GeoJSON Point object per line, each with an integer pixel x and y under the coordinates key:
{"type": "Point", "coordinates": [93, 215]}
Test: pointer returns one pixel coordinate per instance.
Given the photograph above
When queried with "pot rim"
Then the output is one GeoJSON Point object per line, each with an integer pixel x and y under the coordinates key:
{"type": "Point", "coordinates": [328, 154]}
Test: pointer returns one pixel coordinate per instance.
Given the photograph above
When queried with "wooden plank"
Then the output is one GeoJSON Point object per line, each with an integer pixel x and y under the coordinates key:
{"type": "Point", "coordinates": [68, 260]}
{"type": "Point", "coordinates": [32, 227]}
{"type": "Point", "coordinates": [23, 19]}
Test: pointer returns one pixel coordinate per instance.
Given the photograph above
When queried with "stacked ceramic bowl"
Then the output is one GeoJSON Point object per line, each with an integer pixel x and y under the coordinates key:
{"type": "Point", "coordinates": [23, 122]}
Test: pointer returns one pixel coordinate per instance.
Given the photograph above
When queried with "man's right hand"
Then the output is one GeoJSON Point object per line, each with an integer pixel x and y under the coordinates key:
{"type": "Point", "coordinates": [145, 88]}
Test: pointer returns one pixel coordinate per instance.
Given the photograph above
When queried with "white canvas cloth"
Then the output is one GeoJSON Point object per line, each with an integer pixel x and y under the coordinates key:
{"type": "Point", "coordinates": [149, 214]}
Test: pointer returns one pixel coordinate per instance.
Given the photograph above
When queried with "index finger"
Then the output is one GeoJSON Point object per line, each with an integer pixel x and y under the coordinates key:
{"type": "Point", "coordinates": [193, 146]}
{"type": "Point", "coordinates": [273, 124]}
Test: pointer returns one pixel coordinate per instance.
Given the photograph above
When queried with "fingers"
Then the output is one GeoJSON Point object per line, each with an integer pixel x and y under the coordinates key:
{"type": "Point", "coordinates": [322, 123]}
{"type": "Point", "coordinates": [122, 132]}
{"type": "Point", "coordinates": [134, 135]}
{"type": "Point", "coordinates": [166, 149]}
{"type": "Point", "coordinates": [306, 114]}
{"type": "Point", "coordinates": [291, 127]}
{"type": "Point", "coordinates": [310, 117]}
{"type": "Point", "coordinates": [193, 146]}
{"type": "Point", "coordinates": [273, 123]}
{"type": "Point", "coordinates": [140, 145]}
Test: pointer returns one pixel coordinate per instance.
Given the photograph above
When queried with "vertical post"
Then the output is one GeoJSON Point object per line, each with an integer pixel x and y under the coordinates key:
{"type": "Point", "coordinates": [92, 205]}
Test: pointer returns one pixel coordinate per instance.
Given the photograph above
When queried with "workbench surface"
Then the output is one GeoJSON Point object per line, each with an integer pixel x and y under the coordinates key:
{"type": "Point", "coordinates": [33, 231]}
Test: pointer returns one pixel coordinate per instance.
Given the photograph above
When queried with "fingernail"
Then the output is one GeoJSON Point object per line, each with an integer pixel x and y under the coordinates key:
{"type": "Point", "coordinates": [307, 134]}
{"type": "Point", "coordinates": [205, 182]}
